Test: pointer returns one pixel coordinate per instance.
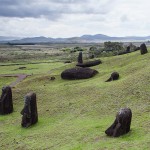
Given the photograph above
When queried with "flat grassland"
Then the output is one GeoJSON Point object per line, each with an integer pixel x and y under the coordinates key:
{"type": "Point", "coordinates": [73, 115]}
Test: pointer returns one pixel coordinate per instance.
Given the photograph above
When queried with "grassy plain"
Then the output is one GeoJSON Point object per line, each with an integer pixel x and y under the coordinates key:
{"type": "Point", "coordinates": [73, 115]}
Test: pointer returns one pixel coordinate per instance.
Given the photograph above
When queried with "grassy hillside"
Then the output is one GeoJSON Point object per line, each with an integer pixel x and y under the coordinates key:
{"type": "Point", "coordinates": [73, 115]}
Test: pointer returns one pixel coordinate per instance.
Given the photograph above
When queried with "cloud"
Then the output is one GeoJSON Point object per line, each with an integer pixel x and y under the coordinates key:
{"type": "Point", "coordinates": [65, 18]}
{"type": "Point", "coordinates": [51, 9]}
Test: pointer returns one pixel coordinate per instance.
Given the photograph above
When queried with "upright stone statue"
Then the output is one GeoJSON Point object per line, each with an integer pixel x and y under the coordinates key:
{"type": "Point", "coordinates": [80, 60]}
{"type": "Point", "coordinates": [29, 112]}
{"type": "Point", "coordinates": [128, 49]}
{"type": "Point", "coordinates": [121, 124]}
{"type": "Point", "coordinates": [143, 49]}
{"type": "Point", "coordinates": [6, 103]}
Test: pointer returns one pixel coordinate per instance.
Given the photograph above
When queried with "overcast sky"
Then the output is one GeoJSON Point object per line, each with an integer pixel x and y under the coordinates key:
{"type": "Point", "coordinates": [67, 18]}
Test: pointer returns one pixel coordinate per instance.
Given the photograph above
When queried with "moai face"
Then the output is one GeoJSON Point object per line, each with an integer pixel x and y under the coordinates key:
{"type": "Point", "coordinates": [29, 111]}
{"type": "Point", "coordinates": [121, 124]}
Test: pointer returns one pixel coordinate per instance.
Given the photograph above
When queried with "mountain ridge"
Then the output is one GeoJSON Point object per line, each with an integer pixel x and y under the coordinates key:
{"type": "Point", "coordinates": [87, 38]}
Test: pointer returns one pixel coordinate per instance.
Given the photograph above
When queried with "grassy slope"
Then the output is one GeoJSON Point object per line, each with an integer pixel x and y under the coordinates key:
{"type": "Point", "coordinates": [74, 114]}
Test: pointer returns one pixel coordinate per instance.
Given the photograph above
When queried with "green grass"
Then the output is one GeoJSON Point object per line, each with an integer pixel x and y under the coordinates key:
{"type": "Point", "coordinates": [73, 115]}
{"type": "Point", "coordinates": [31, 68]}
{"type": "Point", "coordinates": [4, 81]}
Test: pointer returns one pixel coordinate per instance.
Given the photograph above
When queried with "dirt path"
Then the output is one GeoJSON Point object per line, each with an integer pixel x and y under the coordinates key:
{"type": "Point", "coordinates": [20, 77]}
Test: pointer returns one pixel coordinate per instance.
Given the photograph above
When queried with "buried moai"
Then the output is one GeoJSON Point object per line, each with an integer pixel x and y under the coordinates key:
{"type": "Point", "coordinates": [121, 124]}
{"type": "Point", "coordinates": [143, 49]}
{"type": "Point", "coordinates": [29, 112]}
{"type": "Point", "coordinates": [128, 49]}
{"type": "Point", "coordinates": [114, 76]}
{"type": "Point", "coordinates": [78, 73]}
{"type": "Point", "coordinates": [6, 103]}
{"type": "Point", "coordinates": [80, 60]}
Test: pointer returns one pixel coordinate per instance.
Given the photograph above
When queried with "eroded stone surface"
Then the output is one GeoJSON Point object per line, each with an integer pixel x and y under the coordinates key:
{"type": "Point", "coordinates": [78, 73]}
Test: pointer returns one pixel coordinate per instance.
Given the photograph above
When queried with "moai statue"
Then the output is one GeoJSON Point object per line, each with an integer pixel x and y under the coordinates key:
{"type": "Point", "coordinates": [80, 60]}
{"type": "Point", "coordinates": [6, 103]}
{"type": "Point", "coordinates": [121, 124]}
{"type": "Point", "coordinates": [143, 49]}
{"type": "Point", "coordinates": [29, 112]}
{"type": "Point", "coordinates": [128, 49]}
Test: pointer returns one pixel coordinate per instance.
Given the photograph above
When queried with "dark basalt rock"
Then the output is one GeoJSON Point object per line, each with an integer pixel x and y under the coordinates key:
{"type": "Point", "coordinates": [80, 60]}
{"type": "Point", "coordinates": [6, 103]}
{"type": "Point", "coordinates": [52, 78]}
{"type": "Point", "coordinates": [114, 76]}
{"type": "Point", "coordinates": [29, 112]}
{"type": "Point", "coordinates": [143, 49]}
{"type": "Point", "coordinates": [22, 67]}
{"type": "Point", "coordinates": [78, 73]}
{"type": "Point", "coordinates": [90, 63]}
{"type": "Point", "coordinates": [121, 124]}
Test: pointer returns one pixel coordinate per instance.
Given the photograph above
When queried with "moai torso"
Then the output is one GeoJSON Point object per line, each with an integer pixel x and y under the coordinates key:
{"type": "Point", "coordinates": [6, 103]}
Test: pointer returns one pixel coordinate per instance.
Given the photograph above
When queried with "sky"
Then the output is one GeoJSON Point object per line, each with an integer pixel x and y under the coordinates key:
{"type": "Point", "coordinates": [70, 18]}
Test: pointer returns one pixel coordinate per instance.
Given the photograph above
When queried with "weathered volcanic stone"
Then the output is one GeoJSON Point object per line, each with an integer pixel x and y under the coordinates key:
{"type": "Point", "coordinates": [90, 63]}
{"type": "Point", "coordinates": [80, 60]}
{"type": "Point", "coordinates": [78, 73]}
{"type": "Point", "coordinates": [143, 49]}
{"type": "Point", "coordinates": [114, 76]}
{"type": "Point", "coordinates": [128, 49]}
{"type": "Point", "coordinates": [6, 103]}
{"type": "Point", "coordinates": [29, 112]}
{"type": "Point", "coordinates": [121, 124]}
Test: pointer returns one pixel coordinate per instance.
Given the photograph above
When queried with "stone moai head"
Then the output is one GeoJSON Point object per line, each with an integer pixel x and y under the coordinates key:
{"type": "Point", "coordinates": [6, 103]}
{"type": "Point", "coordinates": [128, 49]}
{"type": "Point", "coordinates": [121, 124]}
{"type": "Point", "coordinates": [29, 112]}
{"type": "Point", "coordinates": [143, 49]}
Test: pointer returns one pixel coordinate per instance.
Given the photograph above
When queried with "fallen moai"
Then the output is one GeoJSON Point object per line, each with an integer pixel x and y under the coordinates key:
{"type": "Point", "coordinates": [6, 103]}
{"type": "Point", "coordinates": [90, 63]}
{"type": "Point", "coordinates": [29, 112]}
{"type": "Point", "coordinates": [78, 73]}
{"type": "Point", "coordinates": [114, 76]}
{"type": "Point", "coordinates": [121, 124]}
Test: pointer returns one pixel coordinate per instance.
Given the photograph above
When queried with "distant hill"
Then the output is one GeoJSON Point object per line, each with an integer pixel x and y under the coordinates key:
{"type": "Point", "coordinates": [6, 38]}
{"type": "Point", "coordinates": [82, 39]}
